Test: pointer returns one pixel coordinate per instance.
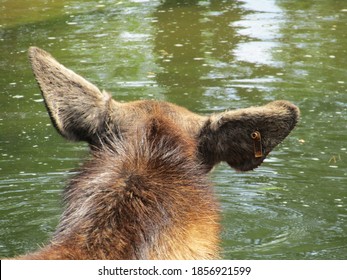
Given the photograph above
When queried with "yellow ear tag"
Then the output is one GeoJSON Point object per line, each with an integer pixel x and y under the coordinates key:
{"type": "Point", "coordinates": [258, 150]}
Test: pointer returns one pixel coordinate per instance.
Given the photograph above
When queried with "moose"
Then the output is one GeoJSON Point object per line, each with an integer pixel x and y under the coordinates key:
{"type": "Point", "coordinates": [144, 192]}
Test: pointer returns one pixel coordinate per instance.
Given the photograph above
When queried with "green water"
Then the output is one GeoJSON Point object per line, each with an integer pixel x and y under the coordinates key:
{"type": "Point", "coordinates": [207, 56]}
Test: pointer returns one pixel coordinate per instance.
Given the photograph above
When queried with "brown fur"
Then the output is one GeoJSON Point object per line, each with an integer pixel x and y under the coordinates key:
{"type": "Point", "coordinates": [144, 194]}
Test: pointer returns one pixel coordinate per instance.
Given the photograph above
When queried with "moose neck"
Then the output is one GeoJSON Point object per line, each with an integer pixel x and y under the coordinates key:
{"type": "Point", "coordinates": [142, 198]}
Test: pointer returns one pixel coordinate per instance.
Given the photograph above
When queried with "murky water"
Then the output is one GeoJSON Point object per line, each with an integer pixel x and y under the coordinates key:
{"type": "Point", "coordinates": [205, 55]}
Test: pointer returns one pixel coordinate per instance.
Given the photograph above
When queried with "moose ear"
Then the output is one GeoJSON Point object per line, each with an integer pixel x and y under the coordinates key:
{"type": "Point", "coordinates": [77, 108]}
{"type": "Point", "coordinates": [244, 137]}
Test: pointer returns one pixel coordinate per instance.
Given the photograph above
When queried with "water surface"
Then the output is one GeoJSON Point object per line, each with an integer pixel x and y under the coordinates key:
{"type": "Point", "coordinates": [208, 56]}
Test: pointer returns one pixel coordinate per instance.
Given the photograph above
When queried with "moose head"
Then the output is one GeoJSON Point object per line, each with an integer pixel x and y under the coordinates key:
{"type": "Point", "coordinates": [80, 111]}
{"type": "Point", "coordinates": [144, 193]}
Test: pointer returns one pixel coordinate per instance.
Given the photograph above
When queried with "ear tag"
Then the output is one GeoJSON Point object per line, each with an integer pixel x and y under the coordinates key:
{"type": "Point", "coordinates": [258, 150]}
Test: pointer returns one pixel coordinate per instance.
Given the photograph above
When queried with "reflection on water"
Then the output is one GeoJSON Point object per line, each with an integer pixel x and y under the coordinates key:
{"type": "Point", "coordinates": [208, 56]}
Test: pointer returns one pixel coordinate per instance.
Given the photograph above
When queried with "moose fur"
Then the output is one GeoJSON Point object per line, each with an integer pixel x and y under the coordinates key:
{"type": "Point", "coordinates": [144, 193]}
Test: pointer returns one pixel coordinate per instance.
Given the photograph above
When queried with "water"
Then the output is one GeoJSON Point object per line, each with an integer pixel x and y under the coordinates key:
{"type": "Point", "coordinates": [207, 56]}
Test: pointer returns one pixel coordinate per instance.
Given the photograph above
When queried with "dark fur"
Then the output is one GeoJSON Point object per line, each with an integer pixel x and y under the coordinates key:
{"type": "Point", "coordinates": [144, 193]}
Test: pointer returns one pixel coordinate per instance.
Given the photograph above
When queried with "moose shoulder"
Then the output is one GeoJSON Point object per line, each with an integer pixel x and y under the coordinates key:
{"type": "Point", "coordinates": [144, 194]}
